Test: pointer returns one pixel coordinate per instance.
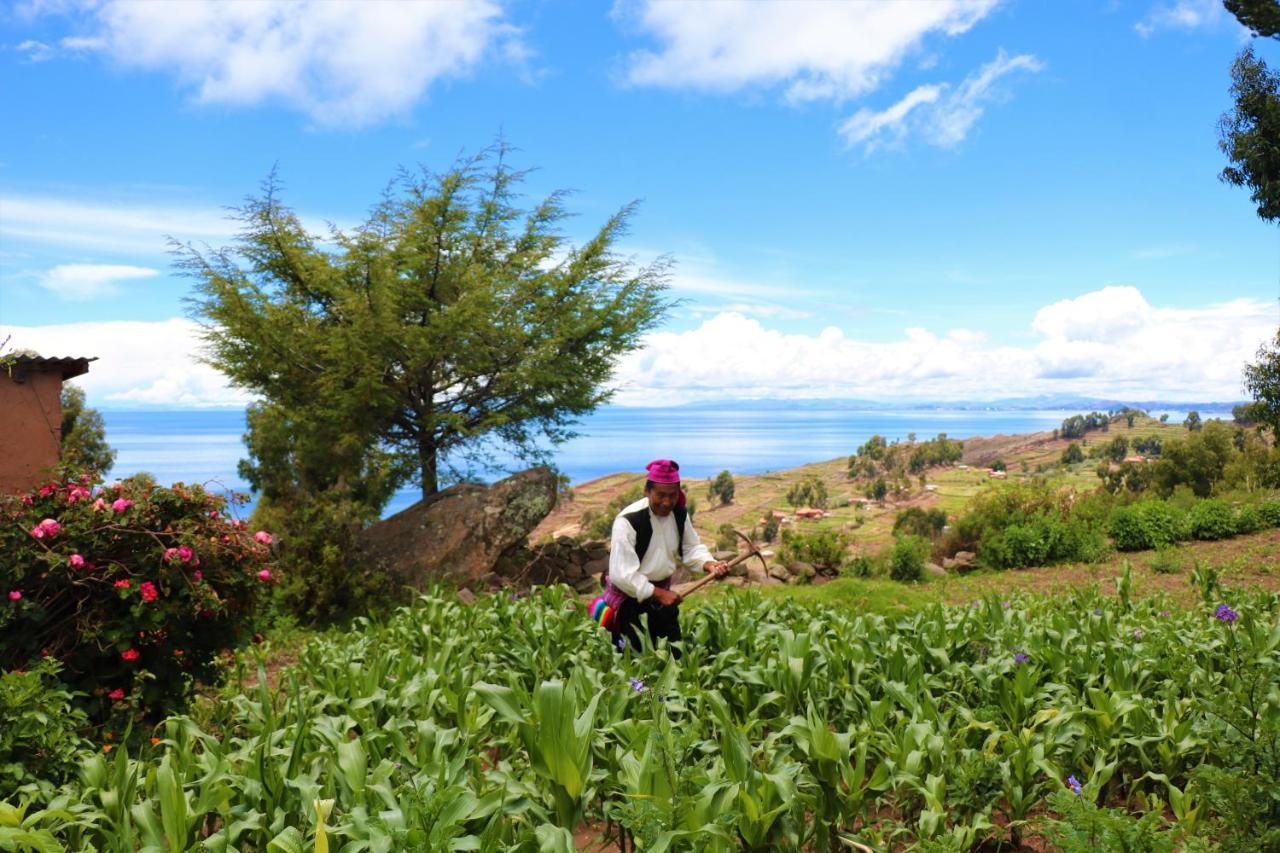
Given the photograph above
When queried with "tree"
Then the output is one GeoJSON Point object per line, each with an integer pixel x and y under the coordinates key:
{"type": "Point", "coordinates": [1247, 134]}
{"type": "Point", "coordinates": [1193, 422]}
{"type": "Point", "coordinates": [721, 488]}
{"type": "Point", "coordinates": [1262, 381]}
{"type": "Point", "coordinates": [1262, 17]}
{"type": "Point", "coordinates": [84, 438]}
{"type": "Point", "coordinates": [1072, 454]}
{"type": "Point", "coordinates": [449, 323]}
{"type": "Point", "coordinates": [808, 492]}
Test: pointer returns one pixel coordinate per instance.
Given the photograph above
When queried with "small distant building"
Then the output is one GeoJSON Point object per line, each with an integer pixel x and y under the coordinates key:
{"type": "Point", "coordinates": [1137, 460]}
{"type": "Point", "coordinates": [811, 512]}
{"type": "Point", "coordinates": [31, 416]}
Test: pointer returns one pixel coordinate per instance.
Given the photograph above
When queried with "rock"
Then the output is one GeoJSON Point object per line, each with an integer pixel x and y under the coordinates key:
{"type": "Point", "coordinates": [965, 557]}
{"type": "Point", "coordinates": [725, 555]}
{"type": "Point", "coordinates": [779, 573]}
{"type": "Point", "coordinates": [588, 584]}
{"type": "Point", "coordinates": [738, 571]}
{"type": "Point", "coordinates": [596, 566]}
{"type": "Point", "coordinates": [597, 551]}
{"type": "Point", "coordinates": [466, 596]}
{"type": "Point", "coordinates": [461, 533]}
{"type": "Point", "coordinates": [569, 530]}
{"type": "Point", "coordinates": [492, 579]}
{"type": "Point", "coordinates": [802, 569]}
{"type": "Point", "coordinates": [934, 570]}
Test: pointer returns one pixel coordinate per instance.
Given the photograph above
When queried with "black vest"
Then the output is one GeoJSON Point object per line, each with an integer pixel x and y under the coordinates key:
{"type": "Point", "coordinates": [640, 523]}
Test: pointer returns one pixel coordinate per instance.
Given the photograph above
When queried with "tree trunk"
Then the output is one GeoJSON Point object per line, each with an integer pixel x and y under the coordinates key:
{"type": "Point", "coordinates": [427, 462]}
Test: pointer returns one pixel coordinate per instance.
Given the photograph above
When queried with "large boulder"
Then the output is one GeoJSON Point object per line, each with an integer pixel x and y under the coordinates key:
{"type": "Point", "coordinates": [461, 533]}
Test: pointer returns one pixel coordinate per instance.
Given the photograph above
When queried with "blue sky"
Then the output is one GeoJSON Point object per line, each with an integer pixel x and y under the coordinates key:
{"type": "Point", "coordinates": [890, 200]}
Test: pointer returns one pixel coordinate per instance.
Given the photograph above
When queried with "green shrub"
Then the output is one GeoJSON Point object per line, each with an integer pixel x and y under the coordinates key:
{"type": "Point", "coordinates": [1147, 524]}
{"type": "Point", "coordinates": [907, 558]}
{"type": "Point", "coordinates": [1043, 540]}
{"type": "Point", "coordinates": [919, 522]}
{"type": "Point", "coordinates": [859, 566]}
{"type": "Point", "coordinates": [726, 538]}
{"type": "Point", "coordinates": [1212, 519]}
{"type": "Point", "coordinates": [40, 730]}
{"type": "Point", "coordinates": [721, 488]}
{"type": "Point", "coordinates": [1249, 520]}
{"type": "Point", "coordinates": [1165, 561]}
{"type": "Point", "coordinates": [135, 588]}
{"type": "Point", "coordinates": [770, 530]}
{"type": "Point", "coordinates": [823, 550]}
{"type": "Point", "coordinates": [1270, 512]}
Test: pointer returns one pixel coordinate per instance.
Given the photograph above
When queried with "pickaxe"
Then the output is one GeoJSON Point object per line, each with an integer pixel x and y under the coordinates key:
{"type": "Point", "coordinates": [752, 551]}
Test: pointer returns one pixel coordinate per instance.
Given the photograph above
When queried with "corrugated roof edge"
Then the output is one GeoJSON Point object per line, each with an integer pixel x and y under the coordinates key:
{"type": "Point", "coordinates": [71, 367]}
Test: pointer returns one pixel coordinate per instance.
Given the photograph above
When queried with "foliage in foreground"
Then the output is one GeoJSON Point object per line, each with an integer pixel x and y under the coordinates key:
{"type": "Point", "coordinates": [134, 588]}
{"type": "Point", "coordinates": [505, 724]}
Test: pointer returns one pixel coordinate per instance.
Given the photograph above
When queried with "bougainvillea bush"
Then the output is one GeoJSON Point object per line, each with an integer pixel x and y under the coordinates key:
{"type": "Point", "coordinates": [134, 588]}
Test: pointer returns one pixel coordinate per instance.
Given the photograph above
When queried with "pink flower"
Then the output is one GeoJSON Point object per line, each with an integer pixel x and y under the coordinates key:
{"type": "Point", "coordinates": [122, 584]}
{"type": "Point", "coordinates": [48, 527]}
{"type": "Point", "coordinates": [198, 575]}
{"type": "Point", "coordinates": [185, 553]}
{"type": "Point", "coordinates": [76, 561]}
{"type": "Point", "coordinates": [263, 537]}
{"type": "Point", "coordinates": [121, 504]}
{"type": "Point", "coordinates": [213, 513]}
{"type": "Point", "coordinates": [15, 595]}
{"type": "Point", "coordinates": [264, 575]}
{"type": "Point", "coordinates": [237, 525]}
{"type": "Point", "coordinates": [28, 500]}
{"type": "Point", "coordinates": [148, 590]}
{"type": "Point", "coordinates": [116, 695]}
{"type": "Point", "coordinates": [47, 490]}
{"type": "Point", "coordinates": [169, 554]}
{"type": "Point", "coordinates": [129, 654]}
{"type": "Point", "coordinates": [76, 493]}
{"type": "Point", "coordinates": [99, 505]}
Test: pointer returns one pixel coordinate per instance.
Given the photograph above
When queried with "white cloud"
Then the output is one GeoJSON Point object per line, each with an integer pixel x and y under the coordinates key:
{"type": "Point", "coordinates": [956, 115]}
{"type": "Point", "coordinates": [139, 363]}
{"type": "Point", "coordinates": [122, 228]}
{"type": "Point", "coordinates": [1107, 343]}
{"type": "Point", "coordinates": [1180, 15]}
{"type": "Point", "coordinates": [817, 50]}
{"type": "Point", "coordinates": [36, 51]}
{"type": "Point", "coordinates": [946, 114]}
{"type": "Point", "coordinates": [78, 282]}
{"type": "Point", "coordinates": [342, 62]}
{"type": "Point", "coordinates": [865, 125]}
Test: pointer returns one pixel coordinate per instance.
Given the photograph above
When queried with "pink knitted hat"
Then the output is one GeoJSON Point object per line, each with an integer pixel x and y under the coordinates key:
{"type": "Point", "coordinates": [663, 471]}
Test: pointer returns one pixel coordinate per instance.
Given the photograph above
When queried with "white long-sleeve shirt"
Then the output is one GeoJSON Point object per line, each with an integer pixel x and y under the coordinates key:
{"type": "Point", "coordinates": [635, 577]}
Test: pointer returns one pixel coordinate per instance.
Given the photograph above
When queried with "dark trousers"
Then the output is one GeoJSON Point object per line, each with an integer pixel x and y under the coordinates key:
{"type": "Point", "coordinates": [664, 623]}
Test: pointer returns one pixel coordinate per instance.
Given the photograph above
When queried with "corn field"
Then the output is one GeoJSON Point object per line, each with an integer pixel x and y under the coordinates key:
{"type": "Point", "coordinates": [509, 724]}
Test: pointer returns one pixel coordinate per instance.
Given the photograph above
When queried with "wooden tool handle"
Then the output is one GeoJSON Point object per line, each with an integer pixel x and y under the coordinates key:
{"type": "Point", "coordinates": [709, 578]}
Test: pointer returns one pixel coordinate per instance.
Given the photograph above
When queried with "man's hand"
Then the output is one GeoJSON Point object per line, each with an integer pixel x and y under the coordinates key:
{"type": "Point", "coordinates": [716, 568]}
{"type": "Point", "coordinates": [666, 597]}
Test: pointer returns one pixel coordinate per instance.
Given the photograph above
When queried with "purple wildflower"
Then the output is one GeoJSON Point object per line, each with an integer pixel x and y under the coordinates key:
{"type": "Point", "coordinates": [1164, 614]}
{"type": "Point", "coordinates": [637, 685]}
{"type": "Point", "coordinates": [1074, 784]}
{"type": "Point", "coordinates": [1137, 633]}
{"type": "Point", "coordinates": [622, 643]}
{"type": "Point", "coordinates": [515, 596]}
{"type": "Point", "coordinates": [1097, 611]}
{"type": "Point", "coordinates": [1021, 658]}
{"type": "Point", "coordinates": [1005, 604]}
{"type": "Point", "coordinates": [1225, 614]}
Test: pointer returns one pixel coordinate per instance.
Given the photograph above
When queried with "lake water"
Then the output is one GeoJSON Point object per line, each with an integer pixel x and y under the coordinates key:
{"type": "Point", "coordinates": [204, 446]}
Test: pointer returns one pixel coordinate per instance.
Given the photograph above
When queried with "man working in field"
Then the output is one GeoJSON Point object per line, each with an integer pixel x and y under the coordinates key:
{"type": "Point", "coordinates": [651, 537]}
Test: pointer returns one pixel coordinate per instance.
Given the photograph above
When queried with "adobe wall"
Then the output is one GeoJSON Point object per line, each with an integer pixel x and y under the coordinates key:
{"type": "Point", "coordinates": [30, 428]}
